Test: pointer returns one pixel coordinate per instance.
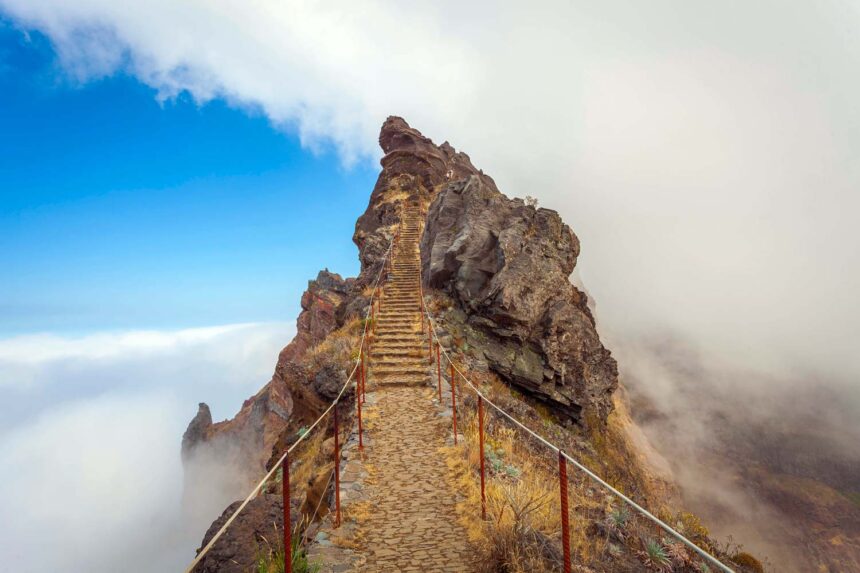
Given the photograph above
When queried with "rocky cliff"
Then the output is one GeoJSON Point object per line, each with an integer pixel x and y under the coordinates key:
{"type": "Point", "coordinates": [499, 270]}
{"type": "Point", "coordinates": [506, 265]}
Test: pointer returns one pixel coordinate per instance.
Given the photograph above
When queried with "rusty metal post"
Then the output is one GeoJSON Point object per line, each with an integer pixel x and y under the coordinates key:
{"type": "Point", "coordinates": [565, 526]}
{"type": "Point", "coordinates": [358, 402]}
{"type": "Point", "coordinates": [363, 377]}
{"type": "Point", "coordinates": [481, 452]}
{"type": "Point", "coordinates": [336, 469]}
{"type": "Point", "coordinates": [439, 372]}
{"type": "Point", "coordinates": [454, 402]}
{"type": "Point", "coordinates": [430, 342]}
{"type": "Point", "coordinates": [288, 527]}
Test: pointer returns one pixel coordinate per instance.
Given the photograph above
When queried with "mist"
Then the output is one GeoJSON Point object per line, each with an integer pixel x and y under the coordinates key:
{"type": "Point", "coordinates": [90, 443]}
{"type": "Point", "coordinates": [704, 153]}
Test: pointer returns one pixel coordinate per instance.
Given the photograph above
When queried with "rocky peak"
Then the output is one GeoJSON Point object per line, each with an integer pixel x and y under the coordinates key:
{"type": "Point", "coordinates": [197, 431]}
{"type": "Point", "coordinates": [507, 265]}
{"type": "Point", "coordinates": [414, 169]}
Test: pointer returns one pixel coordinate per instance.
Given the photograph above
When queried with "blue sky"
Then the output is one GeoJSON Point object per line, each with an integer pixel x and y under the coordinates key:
{"type": "Point", "coordinates": [118, 211]}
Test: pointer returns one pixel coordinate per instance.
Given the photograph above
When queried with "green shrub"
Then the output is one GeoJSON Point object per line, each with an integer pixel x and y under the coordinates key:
{"type": "Point", "coordinates": [654, 556]}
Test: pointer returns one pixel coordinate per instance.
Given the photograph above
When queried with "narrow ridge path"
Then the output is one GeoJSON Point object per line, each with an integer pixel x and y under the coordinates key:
{"type": "Point", "coordinates": [402, 510]}
{"type": "Point", "coordinates": [412, 525]}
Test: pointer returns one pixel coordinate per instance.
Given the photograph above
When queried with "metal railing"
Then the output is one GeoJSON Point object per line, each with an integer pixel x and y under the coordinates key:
{"type": "Point", "coordinates": [563, 457]}
{"type": "Point", "coordinates": [284, 461]}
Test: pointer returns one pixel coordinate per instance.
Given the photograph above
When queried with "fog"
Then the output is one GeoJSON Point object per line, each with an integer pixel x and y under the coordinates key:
{"type": "Point", "coordinates": [91, 474]}
{"type": "Point", "coordinates": [704, 153]}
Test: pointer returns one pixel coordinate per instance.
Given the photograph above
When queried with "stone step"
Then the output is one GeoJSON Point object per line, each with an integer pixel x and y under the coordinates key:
{"type": "Point", "coordinates": [400, 370]}
{"type": "Point", "coordinates": [391, 341]}
{"type": "Point", "coordinates": [400, 381]}
{"type": "Point", "coordinates": [394, 332]}
{"type": "Point", "coordinates": [405, 352]}
{"type": "Point", "coordinates": [398, 346]}
{"type": "Point", "coordinates": [397, 331]}
{"type": "Point", "coordinates": [412, 362]}
{"type": "Point", "coordinates": [389, 324]}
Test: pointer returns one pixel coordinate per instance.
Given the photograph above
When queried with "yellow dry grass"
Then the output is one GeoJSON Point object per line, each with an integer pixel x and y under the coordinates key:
{"type": "Point", "coordinates": [521, 497]}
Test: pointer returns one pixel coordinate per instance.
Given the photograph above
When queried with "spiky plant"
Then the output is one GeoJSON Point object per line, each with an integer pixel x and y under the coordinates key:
{"type": "Point", "coordinates": [617, 520]}
{"type": "Point", "coordinates": [654, 556]}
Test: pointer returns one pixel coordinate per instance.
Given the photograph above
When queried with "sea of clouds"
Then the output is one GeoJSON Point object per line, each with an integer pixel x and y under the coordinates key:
{"type": "Point", "coordinates": [91, 478]}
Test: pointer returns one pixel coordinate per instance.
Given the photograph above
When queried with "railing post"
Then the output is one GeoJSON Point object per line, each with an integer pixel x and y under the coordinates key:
{"type": "Point", "coordinates": [481, 452]}
{"type": "Point", "coordinates": [362, 376]}
{"type": "Point", "coordinates": [288, 527]}
{"type": "Point", "coordinates": [336, 469]}
{"type": "Point", "coordinates": [358, 402]}
{"type": "Point", "coordinates": [565, 526]}
{"type": "Point", "coordinates": [439, 371]}
{"type": "Point", "coordinates": [430, 342]}
{"type": "Point", "coordinates": [454, 402]}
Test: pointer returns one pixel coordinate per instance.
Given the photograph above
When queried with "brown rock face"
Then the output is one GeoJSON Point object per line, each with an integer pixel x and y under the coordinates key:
{"type": "Point", "coordinates": [259, 527]}
{"type": "Point", "coordinates": [413, 168]}
{"type": "Point", "coordinates": [263, 417]}
{"type": "Point", "coordinates": [318, 318]}
{"type": "Point", "coordinates": [507, 264]}
{"type": "Point", "coordinates": [197, 432]}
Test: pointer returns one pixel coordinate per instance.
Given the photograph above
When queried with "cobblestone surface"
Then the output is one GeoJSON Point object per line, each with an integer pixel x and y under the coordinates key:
{"type": "Point", "coordinates": [398, 495]}
{"type": "Point", "coordinates": [412, 524]}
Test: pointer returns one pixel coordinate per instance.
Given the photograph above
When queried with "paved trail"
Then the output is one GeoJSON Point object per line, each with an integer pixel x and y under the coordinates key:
{"type": "Point", "coordinates": [412, 524]}
{"type": "Point", "coordinates": [400, 482]}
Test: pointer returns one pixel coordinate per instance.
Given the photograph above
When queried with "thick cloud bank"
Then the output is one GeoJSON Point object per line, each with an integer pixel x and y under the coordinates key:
{"type": "Point", "coordinates": [91, 474]}
{"type": "Point", "coordinates": [705, 152]}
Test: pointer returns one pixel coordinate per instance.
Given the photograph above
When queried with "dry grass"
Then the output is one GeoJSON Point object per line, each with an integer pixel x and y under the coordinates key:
{"type": "Point", "coordinates": [339, 347]}
{"type": "Point", "coordinates": [522, 532]}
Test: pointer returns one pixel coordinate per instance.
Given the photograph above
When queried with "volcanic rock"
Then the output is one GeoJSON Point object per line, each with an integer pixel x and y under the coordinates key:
{"type": "Point", "coordinates": [507, 264]}
{"type": "Point", "coordinates": [256, 531]}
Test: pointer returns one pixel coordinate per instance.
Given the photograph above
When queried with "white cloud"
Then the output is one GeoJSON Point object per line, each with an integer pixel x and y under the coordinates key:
{"type": "Point", "coordinates": [90, 441]}
{"type": "Point", "coordinates": [85, 482]}
{"type": "Point", "coordinates": [35, 348]}
{"type": "Point", "coordinates": [705, 159]}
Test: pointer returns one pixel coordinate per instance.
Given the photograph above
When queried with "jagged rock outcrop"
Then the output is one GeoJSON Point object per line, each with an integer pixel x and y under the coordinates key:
{"type": "Point", "coordinates": [318, 318]}
{"type": "Point", "coordinates": [413, 168]}
{"type": "Point", "coordinates": [507, 265]}
{"type": "Point", "coordinates": [262, 419]}
{"type": "Point", "coordinates": [197, 431]}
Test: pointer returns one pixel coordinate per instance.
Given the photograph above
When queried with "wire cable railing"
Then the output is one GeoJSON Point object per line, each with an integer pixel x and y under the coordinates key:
{"type": "Point", "coordinates": [563, 456]}
{"type": "Point", "coordinates": [283, 462]}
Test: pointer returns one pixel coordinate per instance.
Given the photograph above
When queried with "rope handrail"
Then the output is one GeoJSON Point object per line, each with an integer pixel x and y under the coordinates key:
{"type": "Point", "coordinates": [304, 435]}
{"type": "Point", "coordinates": [668, 529]}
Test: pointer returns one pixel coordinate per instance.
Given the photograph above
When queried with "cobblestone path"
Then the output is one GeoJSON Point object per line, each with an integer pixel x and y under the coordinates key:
{"type": "Point", "coordinates": [398, 495]}
{"type": "Point", "coordinates": [412, 524]}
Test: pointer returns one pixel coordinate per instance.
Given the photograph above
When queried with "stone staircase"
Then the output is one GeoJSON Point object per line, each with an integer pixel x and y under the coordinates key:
{"type": "Point", "coordinates": [400, 353]}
